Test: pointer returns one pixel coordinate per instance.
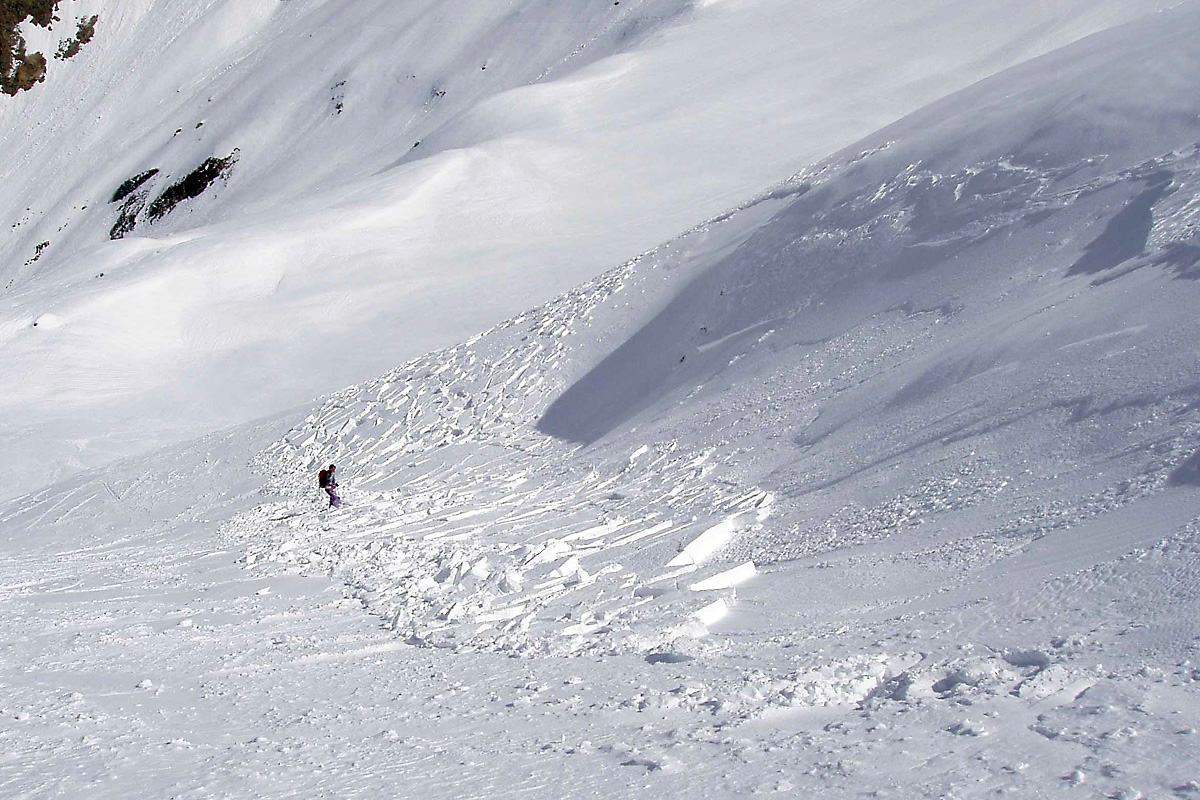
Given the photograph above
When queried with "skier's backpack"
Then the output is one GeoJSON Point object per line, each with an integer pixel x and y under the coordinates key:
{"type": "Point", "coordinates": [323, 478]}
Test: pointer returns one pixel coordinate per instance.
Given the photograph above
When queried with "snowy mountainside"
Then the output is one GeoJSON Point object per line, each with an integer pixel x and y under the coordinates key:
{"type": "Point", "coordinates": [841, 362]}
{"type": "Point", "coordinates": [884, 482]}
{"type": "Point", "coordinates": [283, 234]}
{"type": "Point", "coordinates": [910, 434]}
{"type": "Point", "coordinates": [167, 87]}
{"type": "Point", "coordinates": [875, 355]}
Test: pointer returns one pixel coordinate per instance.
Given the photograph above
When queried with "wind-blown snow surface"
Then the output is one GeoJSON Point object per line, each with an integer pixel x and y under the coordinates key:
{"type": "Point", "coordinates": [885, 484]}
{"type": "Point", "coordinates": [557, 138]}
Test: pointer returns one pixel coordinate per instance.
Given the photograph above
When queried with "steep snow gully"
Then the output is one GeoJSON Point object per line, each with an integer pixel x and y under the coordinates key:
{"type": "Point", "coordinates": [882, 484]}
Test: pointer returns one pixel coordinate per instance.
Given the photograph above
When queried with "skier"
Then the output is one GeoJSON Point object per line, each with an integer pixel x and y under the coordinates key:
{"type": "Point", "coordinates": [327, 481]}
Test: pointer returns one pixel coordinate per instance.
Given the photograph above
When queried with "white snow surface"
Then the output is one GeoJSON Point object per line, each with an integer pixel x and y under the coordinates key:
{"type": "Point", "coordinates": [557, 138]}
{"type": "Point", "coordinates": [883, 481]}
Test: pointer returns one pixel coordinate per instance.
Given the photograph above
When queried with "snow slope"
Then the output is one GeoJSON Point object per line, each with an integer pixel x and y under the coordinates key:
{"type": "Point", "coordinates": [556, 139]}
{"type": "Point", "coordinates": [884, 483]}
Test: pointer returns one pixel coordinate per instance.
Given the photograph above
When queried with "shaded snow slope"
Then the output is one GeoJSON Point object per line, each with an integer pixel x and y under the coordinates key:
{"type": "Point", "coordinates": [556, 139]}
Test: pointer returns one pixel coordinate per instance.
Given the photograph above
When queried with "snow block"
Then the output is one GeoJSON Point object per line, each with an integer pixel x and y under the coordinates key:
{"type": "Point", "coordinates": [713, 612]}
{"type": "Point", "coordinates": [727, 579]}
{"type": "Point", "coordinates": [706, 544]}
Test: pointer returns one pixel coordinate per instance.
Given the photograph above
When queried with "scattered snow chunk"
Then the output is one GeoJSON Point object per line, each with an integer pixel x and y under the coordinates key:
{"type": "Point", "coordinates": [727, 579]}
{"type": "Point", "coordinates": [512, 581]}
{"type": "Point", "coordinates": [704, 546]}
{"type": "Point", "coordinates": [480, 569]}
{"type": "Point", "coordinates": [567, 568]}
{"type": "Point", "coordinates": [552, 549]}
{"type": "Point", "coordinates": [967, 728]}
{"type": "Point", "coordinates": [713, 612]}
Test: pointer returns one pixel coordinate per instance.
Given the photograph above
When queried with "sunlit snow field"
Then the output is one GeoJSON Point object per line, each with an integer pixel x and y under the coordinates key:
{"type": "Point", "coordinates": [743, 398]}
{"type": "Point", "coordinates": [557, 140]}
